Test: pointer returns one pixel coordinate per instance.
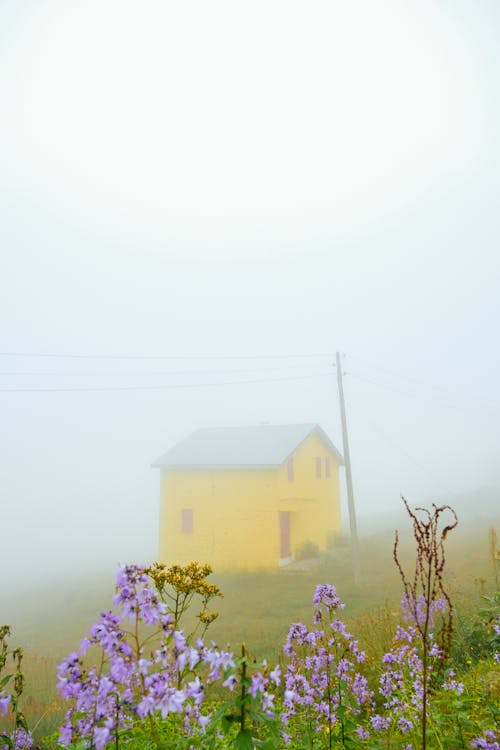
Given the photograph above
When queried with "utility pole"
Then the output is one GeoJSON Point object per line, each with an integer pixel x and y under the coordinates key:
{"type": "Point", "coordinates": [350, 494]}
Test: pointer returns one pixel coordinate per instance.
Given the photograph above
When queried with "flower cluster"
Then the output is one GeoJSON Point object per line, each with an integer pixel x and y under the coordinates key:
{"type": "Point", "coordinates": [489, 741]}
{"type": "Point", "coordinates": [129, 680]}
{"type": "Point", "coordinates": [322, 681]}
{"type": "Point", "coordinates": [133, 679]}
{"type": "Point", "coordinates": [417, 609]}
{"type": "Point", "coordinates": [452, 684]}
{"type": "Point", "coordinates": [136, 668]}
{"type": "Point", "coordinates": [178, 585]}
{"type": "Point", "coordinates": [261, 683]}
{"type": "Point", "coordinates": [20, 739]}
{"type": "Point", "coordinates": [401, 683]}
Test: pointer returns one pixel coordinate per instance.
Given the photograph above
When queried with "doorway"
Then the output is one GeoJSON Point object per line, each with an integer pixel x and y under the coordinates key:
{"type": "Point", "coordinates": [285, 540]}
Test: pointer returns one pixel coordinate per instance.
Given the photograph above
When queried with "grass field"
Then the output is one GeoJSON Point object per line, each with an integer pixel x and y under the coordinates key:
{"type": "Point", "coordinates": [257, 608]}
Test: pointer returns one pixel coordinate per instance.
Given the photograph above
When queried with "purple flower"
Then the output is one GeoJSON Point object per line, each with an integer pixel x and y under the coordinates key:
{"type": "Point", "coordinates": [66, 731]}
{"type": "Point", "coordinates": [275, 675]}
{"type": "Point", "coordinates": [343, 668]}
{"type": "Point", "coordinates": [418, 610]}
{"type": "Point", "coordinates": [102, 735]}
{"type": "Point", "coordinates": [131, 683]}
{"type": "Point", "coordinates": [258, 684]}
{"type": "Point", "coordinates": [203, 721]}
{"type": "Point", "coordinates": [21, 740]}
{"type": "Point", "coordinates": [297, 633]}
{"type": "Point", "coordinates": [451, 684]}
{"type": "Point", "coordinates": [268, 703]}
{"type": "Point", "coordinates": [179, 640]}
{"type": "Point", "coordinates": [325, 596]}
{"type": "Point", "coordinates": [362, 733]}
{"type": "Point", "coordinates": [405, 724]}
{"type": "Point", "coordinates": [321, 675]}
{"type": "Point", "coordinates": [85, 644]}
{"type": "Point", "coordinates": [231, 682]}
{"type": "Point", "coordinates": [487, 742]}
{"type": "Point", "coordinates": [379, 723]}
{"type": "Point", "coordinates": [4, 703]}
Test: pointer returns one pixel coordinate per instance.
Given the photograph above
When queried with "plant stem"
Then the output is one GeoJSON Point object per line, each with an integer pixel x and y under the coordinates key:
{"type": "Point", "coordinates": [243, 686]}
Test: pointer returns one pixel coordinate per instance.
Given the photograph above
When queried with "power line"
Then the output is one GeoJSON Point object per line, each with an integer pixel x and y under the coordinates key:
{"type": "Point", "coordinates": [192, 371]}
{"type": "Point", "coordinates": [161, 387]}
{"type": "Point", "coordinates": [60, 355]}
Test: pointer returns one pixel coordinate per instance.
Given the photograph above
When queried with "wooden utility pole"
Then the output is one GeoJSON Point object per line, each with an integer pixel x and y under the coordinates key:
{"type": "Point", "coordinates": [350, 494]}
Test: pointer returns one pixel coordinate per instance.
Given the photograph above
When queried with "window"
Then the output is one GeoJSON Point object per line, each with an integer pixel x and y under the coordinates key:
{"type": "Point", "coordinates": [328, 472]}
{"type": "Point", "coordinates": [290, 470]}
{"type": "Point", "coordinates": [318, 467]}
{"type": "Point", "coordinates": [187, 520]}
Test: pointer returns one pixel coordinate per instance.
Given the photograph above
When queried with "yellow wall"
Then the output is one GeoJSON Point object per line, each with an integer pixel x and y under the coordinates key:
{"type": "Point", "coordinates": [236, 512]}
{"type": "Point", "coordinates": [315, 503]}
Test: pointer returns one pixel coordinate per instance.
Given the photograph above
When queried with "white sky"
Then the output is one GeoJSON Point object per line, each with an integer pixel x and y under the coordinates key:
{"type": "Point", "coordinates": [242, 178]}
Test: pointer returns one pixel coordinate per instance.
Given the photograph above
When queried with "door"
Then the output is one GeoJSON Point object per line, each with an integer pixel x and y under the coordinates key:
{"type": "Point", "coordinates": [285, 544]}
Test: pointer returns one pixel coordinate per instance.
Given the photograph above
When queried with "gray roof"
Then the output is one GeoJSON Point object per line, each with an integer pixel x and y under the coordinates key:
{"type": "Point", "coordinates": [256, 446]}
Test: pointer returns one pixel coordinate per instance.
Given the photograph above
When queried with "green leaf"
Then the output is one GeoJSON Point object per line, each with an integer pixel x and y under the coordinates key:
{"type": "Point", "coordinates": [5, 680]}
{"type": "Point", "coordinates": [260, 717]}
{"type": "Point", "coordinates": [244, 740]}
{"type": "Point", "coordinates": [266, 745]}
{"type": "Point", "coordinates": [227, 721]}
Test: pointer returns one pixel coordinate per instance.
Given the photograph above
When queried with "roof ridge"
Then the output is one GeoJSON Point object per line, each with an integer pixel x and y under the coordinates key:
{"type": "Point", "coordinates": [245, 445]}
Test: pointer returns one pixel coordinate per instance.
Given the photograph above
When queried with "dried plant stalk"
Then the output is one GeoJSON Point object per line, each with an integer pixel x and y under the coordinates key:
{"type": "Point", "coordinates": [424, 591]}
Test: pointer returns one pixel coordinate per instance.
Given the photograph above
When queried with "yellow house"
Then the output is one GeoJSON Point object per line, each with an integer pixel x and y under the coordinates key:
{"type": "Point", "coordinates": [245, 498]}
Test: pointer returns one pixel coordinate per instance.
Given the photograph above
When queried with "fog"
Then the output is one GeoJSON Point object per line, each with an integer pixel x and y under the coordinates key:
{"type": "Point", "coordinates": [200, 203]}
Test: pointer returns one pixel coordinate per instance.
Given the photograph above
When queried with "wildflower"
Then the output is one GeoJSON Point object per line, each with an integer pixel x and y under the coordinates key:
{"type": "Point", "coordinates": [66, 731]}
{"type": "Point", "coordinates": [128, 685]}
{"type": "Point", "coordinates": [405, 724]}
{"type": "Point", "coordinates": [451, 684]}
{"type": "Point", "coordinates": [231, 682]}
{"type": "Point", "coordinates": [296, 633]}
{"type": "Point", "coordinates": [4, 703]}
{"type": "Point", "coordinates": [102, 735]}
{"type": "Point", "coordinates": [275, 675]}
{"type": "Point", "coordinates": [325, 596]}
{"type": "Point", "coordinates": [379, 723]}
{"type": "Point", "coordinates": [321, 677]}
{"type": "Point", "coordinates": [258, 684]}
{"type": "Point", "coordinates": [21, 740]}
{"type": "Point", "coordinates": [179, 640]}
{"type": "Point", "coordinates": [203, 721]}
{"type": "Point", "coordinates": [362, 733]}
{"type": "Point", "coordinates": [489, 741]}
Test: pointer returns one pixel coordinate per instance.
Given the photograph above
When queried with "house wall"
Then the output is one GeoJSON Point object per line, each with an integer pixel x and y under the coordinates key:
{"type": "Point", "coordinates": [313, 501]}
{"type": "Point", "coordinates": [234, 518]}
{"type": "Point", "coordinates": [236, 513]}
